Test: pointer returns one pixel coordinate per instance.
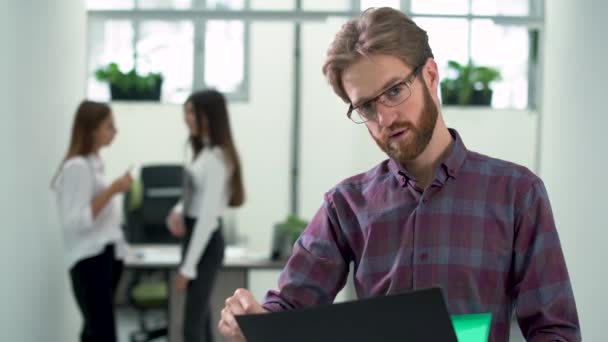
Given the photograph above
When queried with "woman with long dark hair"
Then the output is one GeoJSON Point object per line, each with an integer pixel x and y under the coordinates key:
{"type": "Point", "coordinates": [212, 183]}
{"type": "Point", "coordinates": [93, 240]}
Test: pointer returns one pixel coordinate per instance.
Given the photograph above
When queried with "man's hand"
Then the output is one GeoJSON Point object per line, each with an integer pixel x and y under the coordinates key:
{"type": "Point", "coordinates": [242, 302]}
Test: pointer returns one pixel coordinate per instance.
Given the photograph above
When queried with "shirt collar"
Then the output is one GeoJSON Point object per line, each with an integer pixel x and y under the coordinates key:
{"type": "Point", "coordinates": [450, 166]}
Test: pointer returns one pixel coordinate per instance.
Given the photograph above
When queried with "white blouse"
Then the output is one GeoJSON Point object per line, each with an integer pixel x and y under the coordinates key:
{"type": "Point", "coordinates": [78, 182]}
{"type": "Point", "coordinates": [207, 199]}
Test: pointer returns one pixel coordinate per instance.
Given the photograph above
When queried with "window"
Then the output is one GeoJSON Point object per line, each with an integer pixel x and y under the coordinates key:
{"type": "Point", "coordinates": [498, 7]}
{"type": "Point", "coordinates": [324, 5]}
{"type": "Point", "coordinates": [494, 33]}
{"type": "Point", "coordinates": [506, 48]}
{"type": "Point", "coordinates": [435, 7]}
{"type": "Point", "coordinates": [380, 3]}
{"type": "Point", "coordinates": [109, 41]}
{"type": "Point", "coordinates": [169, 37]}
{"type": "Point", "coordinates": [166, 47]}
{"type": "Point", "coordinates": [225, 70]}
{"type": "Point", "coordinates": [203, 43]}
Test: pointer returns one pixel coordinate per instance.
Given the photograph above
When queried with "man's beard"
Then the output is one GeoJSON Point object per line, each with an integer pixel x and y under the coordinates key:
{"type": "Point", "coordinates": [417, 136]}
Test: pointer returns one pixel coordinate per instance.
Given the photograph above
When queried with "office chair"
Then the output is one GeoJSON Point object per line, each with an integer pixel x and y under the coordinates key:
{"type": "Point", "coordinates": [148, 291]}
{"type": "Point", "coordinates": [149, 201]}
{"type": "Point", "coordinates": [147, 205]}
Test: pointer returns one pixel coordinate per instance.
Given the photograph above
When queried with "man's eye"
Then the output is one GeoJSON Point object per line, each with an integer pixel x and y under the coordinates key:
{"type": "Point", "coordinates": [366, 107]}
{"type": "Point", "coordinates": [394, 91]}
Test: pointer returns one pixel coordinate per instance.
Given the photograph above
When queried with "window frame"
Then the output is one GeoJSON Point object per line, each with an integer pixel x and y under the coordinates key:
{"type": "Point", "coordinates": [198, 15]}
{"type": "Point", "coordinates": [534, 22]}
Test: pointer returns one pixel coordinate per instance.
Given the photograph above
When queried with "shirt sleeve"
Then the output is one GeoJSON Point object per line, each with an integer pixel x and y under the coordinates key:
{"type": "Point", "coordinates": [75, 191]}
{"type": "Point", "coordinates": [213, 186]}
{"type": "Point", "coordinates": [179, 207]}
{"type": "Point", "coordinates": [545, 306]}
{"type": "Point", "coordinates": [318, 267]}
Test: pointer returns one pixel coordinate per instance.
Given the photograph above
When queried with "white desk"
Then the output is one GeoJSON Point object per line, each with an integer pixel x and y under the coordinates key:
{"type": "Point", "coordinates": [153, 256]}
{"type": "Point", "coordinates": [234, 274]}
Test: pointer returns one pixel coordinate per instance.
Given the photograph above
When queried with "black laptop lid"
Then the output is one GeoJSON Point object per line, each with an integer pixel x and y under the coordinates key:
{"type": "Point", "coordinates": [414, 316]}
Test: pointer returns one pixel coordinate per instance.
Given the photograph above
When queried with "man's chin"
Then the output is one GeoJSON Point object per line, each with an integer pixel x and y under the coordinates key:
{"type": "Point", "coordinates": [397, 151]}
{"type": "Point", "coordinates": [404, 154]}
{"type": "Point", "coordinates": [400, 157]}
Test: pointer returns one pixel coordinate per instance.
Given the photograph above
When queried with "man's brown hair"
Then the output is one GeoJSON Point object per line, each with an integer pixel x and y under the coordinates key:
{"type": "Point", "coordinates": [383, 30]}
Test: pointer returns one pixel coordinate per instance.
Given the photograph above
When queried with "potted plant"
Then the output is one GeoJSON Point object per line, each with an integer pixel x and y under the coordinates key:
{"type": "Point", "coordinates": [481, 77]}
{"type": "Point", "coordinates": [130, 85]}
{"type": "Point", "coordinates": [285, 235]}
{"type": "Point", "coordinates": [468, 84]}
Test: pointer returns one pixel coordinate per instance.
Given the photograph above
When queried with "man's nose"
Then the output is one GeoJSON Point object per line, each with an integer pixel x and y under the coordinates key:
{"type": "Point", "coordinates": [386, 115]}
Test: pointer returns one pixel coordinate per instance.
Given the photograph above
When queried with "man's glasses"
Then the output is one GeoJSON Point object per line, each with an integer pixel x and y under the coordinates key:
{"type": "Point", "coordinates": [391, 97]}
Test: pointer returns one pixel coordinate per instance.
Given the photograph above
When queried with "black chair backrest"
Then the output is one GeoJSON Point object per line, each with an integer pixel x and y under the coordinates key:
{"type": "Point", "coordinates": [162, 188]}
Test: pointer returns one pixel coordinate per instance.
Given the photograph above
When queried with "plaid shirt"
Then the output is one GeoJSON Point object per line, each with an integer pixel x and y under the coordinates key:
{"type": "Point", "coordinates": [483, 230]}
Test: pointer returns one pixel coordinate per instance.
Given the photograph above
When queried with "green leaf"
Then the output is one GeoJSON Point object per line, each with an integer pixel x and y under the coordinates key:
{"type": "Point", "coordinates": [458, 84]}
{"type": "Point", "coordinates": [293, 226]}
{"type": "Point", "coordinates": [112, 74]}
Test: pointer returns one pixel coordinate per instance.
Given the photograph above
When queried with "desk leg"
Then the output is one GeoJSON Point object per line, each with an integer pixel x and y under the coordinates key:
{"type": "Point", "coordinates": [226, 283]}
{"type": "Point", "coordinates": [228, 280]}
{"type": "Point", "coordinates": [176, 311]}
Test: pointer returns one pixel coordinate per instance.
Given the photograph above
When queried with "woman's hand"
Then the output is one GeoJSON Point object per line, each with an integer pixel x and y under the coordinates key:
{"type": "Point", "coordinates": [175, 223]}
{"type": "Point", "coordinates": [122, 183]}
{"type": "Point", "coordinates": [181, 282]}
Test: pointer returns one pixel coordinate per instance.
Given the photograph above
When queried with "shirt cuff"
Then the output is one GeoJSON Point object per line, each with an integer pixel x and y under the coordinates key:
{"type": "Point", "coordinates": [188, 271]}
{"type": "Point", "coordinates": [273, 307]}
{"type": "Point", "coordinates": [179, 207]}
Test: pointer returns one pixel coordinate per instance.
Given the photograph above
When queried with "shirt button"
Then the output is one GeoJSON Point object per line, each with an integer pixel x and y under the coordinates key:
{"type": "Point", "coordinates": [425, 201]}
{"type": "Point", "coordinates": [424, 256]}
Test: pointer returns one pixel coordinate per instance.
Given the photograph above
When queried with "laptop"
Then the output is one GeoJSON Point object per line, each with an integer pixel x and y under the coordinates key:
{"type": "Point", "coordinates": [419, 315]}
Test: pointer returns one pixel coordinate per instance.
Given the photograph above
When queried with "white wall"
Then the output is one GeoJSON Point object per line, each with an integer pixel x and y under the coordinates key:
{"type": "Point", "coordinates": [332, 148]}
{"type": "Point", "coordinates": [574, 158]}
{"type": "Point", "coordinates": [500, 133]}
{"type": "Point", "coordinates": [7, 153]}
{"type": "Point", "coordinates": [42, 81]}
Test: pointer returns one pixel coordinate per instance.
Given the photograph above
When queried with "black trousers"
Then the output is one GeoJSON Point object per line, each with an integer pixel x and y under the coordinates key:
{"type": "Point", "coordinates": [198, 326]}
{"type": "Point", "coordinates": [94, 282]}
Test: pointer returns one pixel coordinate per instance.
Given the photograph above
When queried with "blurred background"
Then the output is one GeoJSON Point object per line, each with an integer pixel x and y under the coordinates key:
{"type": "Point", "coordinates": [541, 67]}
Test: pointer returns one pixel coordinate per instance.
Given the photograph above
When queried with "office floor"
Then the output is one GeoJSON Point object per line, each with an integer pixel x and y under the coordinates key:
{"type": "Point", "coordinates": [126, 321]}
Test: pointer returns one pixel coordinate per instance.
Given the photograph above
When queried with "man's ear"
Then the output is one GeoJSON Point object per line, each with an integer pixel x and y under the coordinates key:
{"type": "Point", "coordinates": [430, 73]}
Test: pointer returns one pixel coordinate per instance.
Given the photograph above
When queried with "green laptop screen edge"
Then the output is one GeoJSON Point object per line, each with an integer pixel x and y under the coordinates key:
{"type": "Point", "coordinates": [473, 327]}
